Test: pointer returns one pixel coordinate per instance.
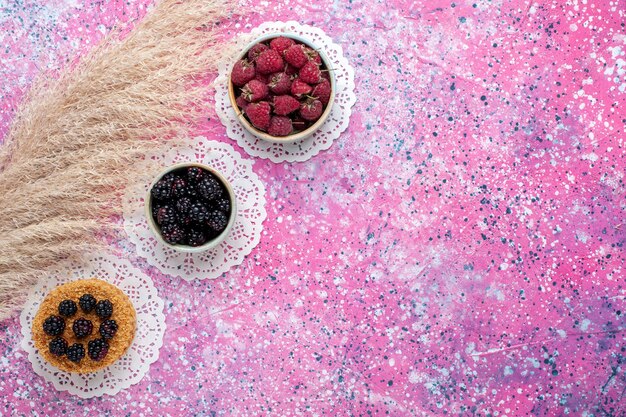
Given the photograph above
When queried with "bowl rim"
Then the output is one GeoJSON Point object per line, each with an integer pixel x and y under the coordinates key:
{"type": "Point", "coordinates": [300, 135]}
{"type": "Point", "coordinates": [211, 243]}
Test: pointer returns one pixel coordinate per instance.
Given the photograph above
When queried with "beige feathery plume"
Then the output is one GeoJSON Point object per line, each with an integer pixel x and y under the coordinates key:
{"type": "Point", "coordinates": [77, 139]}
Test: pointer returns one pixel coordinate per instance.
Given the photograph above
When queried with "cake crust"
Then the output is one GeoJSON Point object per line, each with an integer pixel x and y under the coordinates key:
{"type": "Point", "coordinates": [123, 313]}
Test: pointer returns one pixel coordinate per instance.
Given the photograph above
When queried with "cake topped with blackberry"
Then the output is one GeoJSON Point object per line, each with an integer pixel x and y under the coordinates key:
{"type": "Point", "coordinates": [84, 326]}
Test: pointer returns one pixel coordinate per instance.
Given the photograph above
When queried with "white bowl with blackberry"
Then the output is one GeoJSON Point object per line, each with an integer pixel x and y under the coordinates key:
{"type": "Point", "coordinates": [190, 207]}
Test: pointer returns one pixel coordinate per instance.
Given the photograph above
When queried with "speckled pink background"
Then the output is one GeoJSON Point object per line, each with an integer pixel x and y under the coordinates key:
{"type": "Point", "coordinates": [458, 251]}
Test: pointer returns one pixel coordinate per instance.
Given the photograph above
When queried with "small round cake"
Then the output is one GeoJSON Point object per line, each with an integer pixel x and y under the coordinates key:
{"type": "Point", "coordinates": [84, 326]}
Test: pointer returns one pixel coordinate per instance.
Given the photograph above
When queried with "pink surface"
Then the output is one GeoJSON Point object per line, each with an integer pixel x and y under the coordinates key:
{"type": "Point", "coordinates": [458, 251]}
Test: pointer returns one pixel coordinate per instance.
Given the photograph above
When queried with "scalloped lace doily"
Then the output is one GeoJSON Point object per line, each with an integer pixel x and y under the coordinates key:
{"type": "Point", "coordinates": [321, 140]}
{"type": "Point", "coordinates": [144, 350]}
{"type": "Point", "coordinates": [246, 232]}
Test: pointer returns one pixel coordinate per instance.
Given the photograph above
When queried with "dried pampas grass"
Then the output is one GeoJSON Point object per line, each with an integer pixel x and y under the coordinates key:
{"type": "Point", "coordinates": [77, 140]}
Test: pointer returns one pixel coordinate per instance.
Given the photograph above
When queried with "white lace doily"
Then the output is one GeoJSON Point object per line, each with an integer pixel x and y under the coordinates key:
{"type": "Point", "coordinates": [144, 350]}
{"type": "Point", "coordinates": [323, 138]}
{"type": "Point", "coordinates": [244, 236]}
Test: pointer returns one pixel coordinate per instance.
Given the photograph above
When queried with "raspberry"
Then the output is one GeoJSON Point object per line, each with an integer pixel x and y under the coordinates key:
{"type": "Point", "coordinates": [264, 78]}
{"type": "Point", "coordinates": [57, 346]}
{"type": "Point", "coordinates": [54, 325]}
{"type": "Point", "coordinates": [254, 91]}
{"type": "Point", "coordinates": [280, 126]}
{"type": "Point", "coordinates": [241, 103]}
{"type": "Point", "coordinates": [259, 115]}
{"type": "Point", "coordinates": [195, 237]}
{"type": "Point", "coordinates": [290, 70]}
{"type": "Point", "coordinates": [76, 352]}
{"type": "Point", "coordinates": [179, 187]}
{"type": "Point", "coordinates": [299, 88]}
{"type": "Point", "coordinates": [283, 105]}
{"type": "Point", "coordinates": [104, 309]}
{"type": "Point", "coordinates": [295, 56]}
{"type": "Point", "coordinates": [322, 92]}
{"type": "Point", "coordinates": [310, 73]}
{"type": "Point", "coordinates": [67, 308]}
{"type": "Point", "coordinates": [82, 327]}
{"type": "Point", "coordinates": [97, 349]}
{"type": "Point", "coordinates": [166, 215]}
{"type": "Point", "coordinates": [173, 233]}
{"type": "Point", "coordinates": [217, 221]}
{"type": "Point", "coordinates": [312, 55]}
{"type": "Point", "coordinates": [281, 43]}
{"type": "Point", "coordinates": [108, 329]}
{"type": "Point", "coordinates": [162, 190]}
{"type": "Point", "coordinates": [195, 174]}
{"type": "Point", "coordinates": [198, 212]}
{"type": "Point", "coordinates": [269, 61]}
{"type": "Point", "coordinates": [87, 303]}
{"type": "Point", "coordinates": [256, 50]}
{"type": "Point", "coordinates": [280, 83]}
{"type": "Point", "coordinates": [210, 188]}
{"type": "Point", "coordinates": [311, 110]}
{"type": "Point", "coordinates": [243, 71]}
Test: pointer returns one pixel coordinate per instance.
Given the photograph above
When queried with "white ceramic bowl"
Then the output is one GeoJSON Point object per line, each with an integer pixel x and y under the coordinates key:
{"type": "Point", "coordinates": [296, 136]}
{"type": "Point", "coordinates": [209, 244]}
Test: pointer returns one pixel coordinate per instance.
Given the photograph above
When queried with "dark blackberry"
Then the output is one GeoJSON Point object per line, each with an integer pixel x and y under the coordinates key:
{"type": "Point", "coordinates": [195, 174]}
{"type": "Point", "coordinates": [173, 233]}
{"type": "Point", "coordinates": [108, 329]}
{"type": "Point", "coordinates": [183, 205]}
{"type": "Point", "coordinates": [104, 309]}
{"type": "Point", "coordinates": [166, 215]}
{"type": "Point", "coordinates": [54, 325]}
{"type": "Point", "coordinates": [179, 188]}
{"type": "Point", "coordinates": [169, 178]}
{"type": "Point", "coordinates": [87, 303]}
{"type": "Point", "coordinates": [67, 308]}
{"type": "Point", "coordinates": [198, 213]}
{"type": "Point", "coordinates": [209, 188]}
{"type": "Point", "coordinates": [97, 349]}
{"type": "Point", "coordinates": [195, 237]}
{"type": "Point", "coordinates": [82, 327]}
{"type": "Point", "coordinates": [162, 190]}
{"type": "Point", "coordinates": [57, 346]}
{"type": "Point", "coordinates": [217, 221]}
{"type": "Point", "coordinates": [76, 352]}
{"type": "Point", "coordinates": [223, 204]}
{"type": "Point", "coordinates": [192, 193]}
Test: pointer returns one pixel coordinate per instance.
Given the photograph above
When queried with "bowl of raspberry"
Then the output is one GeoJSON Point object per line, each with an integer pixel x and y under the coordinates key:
{"type": "Point", "coordinates": [190, 207]}
{"type": "Point", "coordinates": [282, 88]}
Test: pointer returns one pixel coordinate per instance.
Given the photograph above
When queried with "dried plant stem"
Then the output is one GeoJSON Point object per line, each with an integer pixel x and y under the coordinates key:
{"type": "Point", "coordinates": [76, 140]}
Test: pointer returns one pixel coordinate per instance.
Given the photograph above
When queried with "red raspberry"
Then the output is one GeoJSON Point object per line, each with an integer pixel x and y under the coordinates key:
{"type": "Point", "coordinates": [242, 103]}
{"type": "Point", "coordinates": [259, 114]}
{"type": "Point", "coordinates": [281, 43]}
{"type": "Point", "coordinates": [280, 126]}
{"type": "Point", "coordinates": [310, 73]}
{"type": "Point", "coordinates": [280, 83]}
{"type": "Point", "coordinates": [262, 77]}
{"type": "Point", "coordinates": [311, 110]}
{"type": "Point", "coordinates": [296, 56]}
{"type": "Point", "coordinates": [256, 50]}
{"type": "Point", "coordinates": [322, 91]}
{"type": "Point", "coordinates": [300, 88]}
{"type": "Point", "coordinates": [290, 69]}
{"type": "Point", "coordinates": [243, 71]}
{"type": "Point", "coordinates": [283, 105]}
{"type": "Point", "coordinates": [312, 55]}
{"type": "Point", "coordinates": [254, 91]}
{"type": "Point", "coordinates": [269, 61]}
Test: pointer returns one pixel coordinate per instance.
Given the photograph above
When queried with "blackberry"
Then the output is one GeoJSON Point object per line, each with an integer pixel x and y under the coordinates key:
{"type": "Point", "coordinates": [169, 178]}
{"type": "Point", "coordinates": [223, 204]}
{"type": "Point", "coordinates": [108, 329]}
{"type": "Point", "coordinates": [173, 233]}
{"type": "Point", "coordinates": [195, 174]}
{"type": "Point", "coordinates": [82, 327]}
{"type": "Point", "coordinates": [76, 352]}
{"type": "Point", "coordinates": [87, 303]}
{"type": "Point", "coordinates": [195, 237]}
{"type": "Point", "coordinates": [97, 349]}
{"type": "Point", "coordinates": [183, 205]}
{"type": "Point", "coordinates": [57, 346]}
{"type": "Point", "coordinates": [192, 193]}
{"type": "Point", "coordinates": [166, 215]}
{"type": "Point", "coordinates": [179, 187]}
{"type": "Point", "coordinates": [217, 221]}
{"type": "Point", "coordinates": [209, 188]}
{"type": "Point", "coordinates": [161, 190]}
{"type": "Point", "coordinates": [67, 308]}
{"type": "Point", "coordinates": [198, 213]}
{"type": "Point", "coordinates": [104, 309]}
{"type": "Point", "coordinates": [54, 325]}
